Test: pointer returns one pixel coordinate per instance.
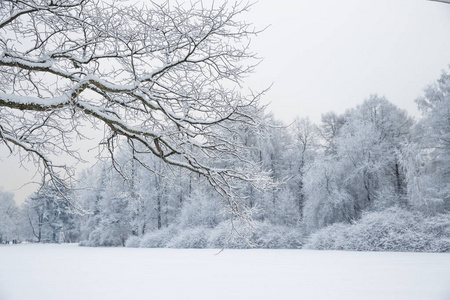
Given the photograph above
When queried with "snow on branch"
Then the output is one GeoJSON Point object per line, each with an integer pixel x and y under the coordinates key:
{"type": "Point", "coordinates": [166, 79]}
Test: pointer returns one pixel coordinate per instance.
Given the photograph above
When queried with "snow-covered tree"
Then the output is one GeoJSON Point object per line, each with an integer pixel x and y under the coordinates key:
{"type": "Point", "coordinates": [329, 129]}
{"type": "Point", "coordinates": [9, 217]}
{"type": "Point", "coordinates": [161, 79]}
{"type": "Point", "coordinates": [48, 217]}
{"type": "Point", "coordinates": [363, 171]}
{"type": "Point", "coordinates": [201, 209]}
{"type": "Point", "coordinates": [134, 202]}
{"type": "Point", "coordinates": [109, 223]}
{"type": "Point", "coordinates": [427, 158]}
{"type": "Point", "coordinates": [326, 198]}
{"type": "Point", "coordinates": [371, 140]}
{"type": "Point", "coordinates": [305, 146]}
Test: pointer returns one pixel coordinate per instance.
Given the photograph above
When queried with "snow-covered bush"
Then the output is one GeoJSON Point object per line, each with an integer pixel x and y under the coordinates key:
{"type": "Point", "coordinates": [93, 239]}
{"type": "Point", "coordinates": [158, 238]}
{"type": "Point", "coordinates": [394, 229]}
{"type": "Point", "coordinates": [439, 226]}
{"type": "Point", "coordinates": [263, 235]}
{"type": "Point", "coordinates": [133, 242]}
{"type": "Point", "coordinates": [190, 238]}
{"type": "Point", "coordinates": [224, 236]}
{"type": "Point", "coordinates": [327, 238]}
{"type": "Point", "coordinates": [269, 236]}
{"type": "Point", "coordinates": [102, 238]}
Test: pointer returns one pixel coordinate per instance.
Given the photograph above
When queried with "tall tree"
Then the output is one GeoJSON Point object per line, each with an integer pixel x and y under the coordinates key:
{"type": "Point", "coordinates": [48, 216]}
{"type": "Point", "coordinates": [306, 143]}
{"type": "Point", "coordinates": [363, 171]}
{"type": "Point", "coordinates": [329, 129]}
{"type": "Point", "coordinates": [9, 217]}
{"type": "Point", "coordinates": [428, 156]}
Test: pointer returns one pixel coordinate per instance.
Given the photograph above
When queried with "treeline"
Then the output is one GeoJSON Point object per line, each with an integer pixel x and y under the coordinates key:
{"type": "Point", "coordinates": [372, 178]}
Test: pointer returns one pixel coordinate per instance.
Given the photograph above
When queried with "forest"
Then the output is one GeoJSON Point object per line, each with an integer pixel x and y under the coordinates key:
{"type": "Point", "coordinates": [372, 178]}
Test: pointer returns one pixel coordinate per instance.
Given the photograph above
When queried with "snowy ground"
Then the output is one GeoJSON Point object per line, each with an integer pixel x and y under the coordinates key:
{"type": "Point", "coordinates": [68, 272]}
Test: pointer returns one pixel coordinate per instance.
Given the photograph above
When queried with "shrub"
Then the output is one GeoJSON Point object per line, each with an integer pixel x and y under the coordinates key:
{"type": "Point", "coordinates": [263, 235]}
{"type": "Point", "coordinates": [158, 238]}
{"type": "Point", "coordinates": [394, 229]}
{"type": "Point", "coordinates": [133, 242]}
{"type": "Point", "coordinates": [190, 238]}
{"type": "Point", "coordinates": [223, 236]}
{"type": "Point", "coordinates": [99, 238]}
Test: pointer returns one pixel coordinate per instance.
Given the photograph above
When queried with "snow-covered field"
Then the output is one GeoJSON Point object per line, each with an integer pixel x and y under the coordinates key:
{"type": "Point", "coordinates": [64, 272]}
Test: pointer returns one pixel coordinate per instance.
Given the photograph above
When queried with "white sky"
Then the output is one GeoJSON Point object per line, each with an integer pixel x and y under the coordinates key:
{"type": "Point", "coordinates": [330, 55]}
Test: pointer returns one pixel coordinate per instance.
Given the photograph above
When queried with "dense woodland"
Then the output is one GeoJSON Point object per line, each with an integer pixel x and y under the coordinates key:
{"type": "Point", "coordinates": [372, 178]}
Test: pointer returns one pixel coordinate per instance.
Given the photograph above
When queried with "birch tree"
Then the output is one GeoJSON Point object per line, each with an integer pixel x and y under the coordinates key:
{"type": "Point", "coordinates": [162, 80]}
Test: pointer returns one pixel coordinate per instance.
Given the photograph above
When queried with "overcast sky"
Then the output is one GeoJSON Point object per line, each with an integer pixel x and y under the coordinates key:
{"type": "Point", "coordinates": [329, 56]}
